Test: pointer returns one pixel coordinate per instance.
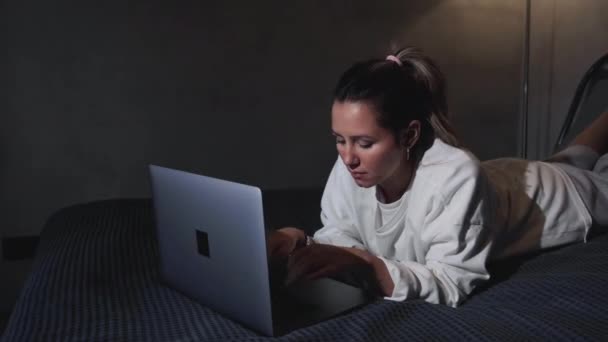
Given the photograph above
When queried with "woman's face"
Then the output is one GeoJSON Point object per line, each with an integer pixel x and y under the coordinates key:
{"type": "Point", "coordinates": [370, 152]}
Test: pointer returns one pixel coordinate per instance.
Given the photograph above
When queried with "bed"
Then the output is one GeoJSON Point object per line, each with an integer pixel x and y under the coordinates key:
{"type": "Point", "coordinates": [96, 278]}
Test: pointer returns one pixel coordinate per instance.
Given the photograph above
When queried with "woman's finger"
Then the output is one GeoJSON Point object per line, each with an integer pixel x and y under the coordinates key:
{"type": "Point", "coordinates": [299, 269]}
{"type": "Point", "coordinates": [285, 249]}
{"type": "Point", "coordinates": [280, 244]}
{"type": "Point", "coordinates": [320, 273]}
{"type": "Point", "coordinates": [296, 256]}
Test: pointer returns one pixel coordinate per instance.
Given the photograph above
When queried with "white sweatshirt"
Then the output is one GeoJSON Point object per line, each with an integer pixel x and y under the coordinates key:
{"type": "Point", "coordinates": [454, 217]}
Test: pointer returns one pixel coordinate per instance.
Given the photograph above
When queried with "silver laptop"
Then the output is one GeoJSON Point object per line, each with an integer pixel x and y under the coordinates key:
{"type": "Point", "coordinates": [212, 244]}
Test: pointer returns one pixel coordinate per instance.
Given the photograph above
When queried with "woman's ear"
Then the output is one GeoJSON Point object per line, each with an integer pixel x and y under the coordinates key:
{"type": "Point", "coordinates": [411, 134]}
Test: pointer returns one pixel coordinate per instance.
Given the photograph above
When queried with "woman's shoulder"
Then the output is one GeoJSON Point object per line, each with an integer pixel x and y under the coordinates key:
{"type": "Point", "coordinates": [445, 160]}
{"type": "Point", "coordinates": [444, 170]}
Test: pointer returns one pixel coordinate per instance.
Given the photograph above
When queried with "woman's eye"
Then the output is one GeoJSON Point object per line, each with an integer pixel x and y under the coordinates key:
{"type": "Point", "coordinates": [365, 144]}
{"type": "Point", "coordinates": [339, 141]}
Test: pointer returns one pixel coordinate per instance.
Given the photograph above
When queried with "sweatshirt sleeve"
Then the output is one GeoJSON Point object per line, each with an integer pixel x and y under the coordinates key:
{"type": "Point", "coordinates": [339, 228]}
{"type": "Point", "coordinates": [456, 236]}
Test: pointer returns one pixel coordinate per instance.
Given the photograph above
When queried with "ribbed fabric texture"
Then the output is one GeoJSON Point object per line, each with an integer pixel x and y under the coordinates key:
{"type": "Point", "coordinates": [96, 278]}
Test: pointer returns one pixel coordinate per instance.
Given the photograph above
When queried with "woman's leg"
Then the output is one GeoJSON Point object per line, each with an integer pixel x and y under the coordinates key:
{"type": "Point", "coordinates": [595, 135]}
{"type": "Point", "coordinates": [586, 164]}
{"type": "Point", "coordinates": [584, 151]}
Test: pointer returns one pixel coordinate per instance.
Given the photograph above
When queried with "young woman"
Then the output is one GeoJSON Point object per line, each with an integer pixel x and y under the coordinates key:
{"type": "Point", "coordinates": [420, 215]}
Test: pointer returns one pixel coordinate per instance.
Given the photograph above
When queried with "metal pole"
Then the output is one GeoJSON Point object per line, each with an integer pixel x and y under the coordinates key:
{"type": "Point", "coordinates": [523, 123]}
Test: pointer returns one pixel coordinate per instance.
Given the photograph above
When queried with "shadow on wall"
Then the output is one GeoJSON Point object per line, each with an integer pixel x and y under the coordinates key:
{"type": "Point", "coordinates": [235, 91]}
{"type": "Point", "coordinates": [102, 90]}
{"type": "Point", "coordinates": [300, 208]}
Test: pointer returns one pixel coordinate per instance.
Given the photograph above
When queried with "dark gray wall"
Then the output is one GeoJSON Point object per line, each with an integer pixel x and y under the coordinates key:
{"type": "Point", "coordinates": [96, 90]}
{"type": "Point", "coordinates": [567, 37]}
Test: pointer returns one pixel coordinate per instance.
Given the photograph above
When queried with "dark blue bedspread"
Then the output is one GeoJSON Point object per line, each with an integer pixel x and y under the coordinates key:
{"type": "Point", "coordinates": [96, 278]}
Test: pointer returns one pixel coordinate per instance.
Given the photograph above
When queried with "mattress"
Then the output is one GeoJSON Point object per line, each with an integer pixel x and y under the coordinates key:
{"type": "Point", "coordinates": [96, 278]}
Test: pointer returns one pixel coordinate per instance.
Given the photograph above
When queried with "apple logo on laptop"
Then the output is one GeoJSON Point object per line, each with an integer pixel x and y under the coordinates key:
{"type": "Point", "coordinates": [202, 242]}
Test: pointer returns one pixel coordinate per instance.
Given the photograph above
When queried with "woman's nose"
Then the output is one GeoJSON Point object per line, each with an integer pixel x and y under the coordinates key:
{"type": "Point", "coordinates": [350, 158]}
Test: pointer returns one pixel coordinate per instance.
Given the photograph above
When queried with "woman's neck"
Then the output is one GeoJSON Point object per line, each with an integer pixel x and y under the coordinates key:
{"type": "Point", "coordinates": [395, 186]}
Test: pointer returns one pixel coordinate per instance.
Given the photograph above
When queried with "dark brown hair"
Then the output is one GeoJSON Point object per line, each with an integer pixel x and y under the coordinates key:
{"type": "Point", "coordinates": [414, 90]}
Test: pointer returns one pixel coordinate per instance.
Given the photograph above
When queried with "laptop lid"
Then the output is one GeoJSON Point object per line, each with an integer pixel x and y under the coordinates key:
{"type": "Point", "coordinates": [211, 238]}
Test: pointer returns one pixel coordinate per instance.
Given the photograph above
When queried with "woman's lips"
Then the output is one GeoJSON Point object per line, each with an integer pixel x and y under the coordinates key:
{"type": "Point", "coordinates": [357, 175]}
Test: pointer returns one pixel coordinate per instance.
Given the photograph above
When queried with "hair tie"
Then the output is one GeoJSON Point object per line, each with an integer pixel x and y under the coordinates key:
{"type": "Point", "coordinates": [394, 59]}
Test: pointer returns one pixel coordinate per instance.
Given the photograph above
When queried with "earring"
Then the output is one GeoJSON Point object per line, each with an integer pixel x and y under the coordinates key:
{"type": "Point", "coordinates": [407, 153]}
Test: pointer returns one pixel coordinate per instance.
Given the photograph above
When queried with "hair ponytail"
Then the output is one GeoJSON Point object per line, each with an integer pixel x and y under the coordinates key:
{"type": "Point", "coordinates": [443, 129]}
{"type": "Point", "coordinates": [430, 78]}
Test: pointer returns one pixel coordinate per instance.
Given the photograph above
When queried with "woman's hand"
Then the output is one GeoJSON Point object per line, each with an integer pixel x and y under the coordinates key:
{"type": "Point", "coordinates": [320, 260]}
{"type": "Point", "coordinates": [284, 241]}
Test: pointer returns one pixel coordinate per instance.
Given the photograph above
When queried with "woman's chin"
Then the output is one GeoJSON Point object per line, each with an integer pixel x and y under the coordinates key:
{"type": "Point", "coordinates": [363, 183]}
